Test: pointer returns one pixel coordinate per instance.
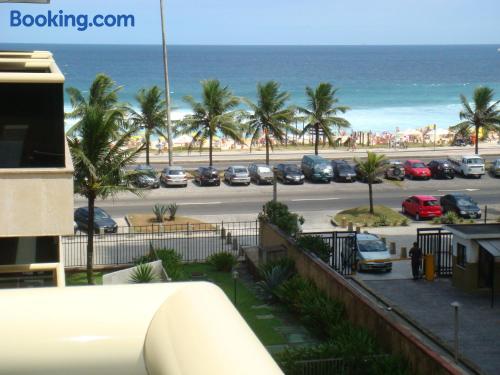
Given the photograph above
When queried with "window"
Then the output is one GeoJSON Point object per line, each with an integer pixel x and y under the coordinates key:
{"type": "Point", "coordinates": [461, 255]}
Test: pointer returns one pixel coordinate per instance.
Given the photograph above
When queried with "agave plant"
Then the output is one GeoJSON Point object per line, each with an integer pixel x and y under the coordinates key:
{"type": "Point", "coordinates": [172, 209]}
{"type": "Point", "coordinates": [143, 274]}
{"type": "Point", "coordinates": [160, 210]}
{"type": "Point", "coordinates": [273, 278]}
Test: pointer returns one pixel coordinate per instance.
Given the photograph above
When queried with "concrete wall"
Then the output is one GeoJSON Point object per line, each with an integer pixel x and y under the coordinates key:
{"type": "Point", "coordinates": [123, 276]}
{"type": "Point", "coordinates": [37, 201]}
{"type": "Point", "coordinates": [361, 311]}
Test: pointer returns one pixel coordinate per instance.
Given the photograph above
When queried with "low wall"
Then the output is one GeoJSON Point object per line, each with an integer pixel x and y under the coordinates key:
{"type": "Point", "coordinates": [393, 336]}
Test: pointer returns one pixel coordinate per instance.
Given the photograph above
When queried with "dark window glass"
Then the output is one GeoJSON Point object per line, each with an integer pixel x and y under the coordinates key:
{"type": "Point", "coordinates": [461, 255]}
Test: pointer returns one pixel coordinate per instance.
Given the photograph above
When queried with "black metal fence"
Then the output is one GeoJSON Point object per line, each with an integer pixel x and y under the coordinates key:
{"type": "Point", "coordinates": [343, 247]}
{"type": "Point", "coordinates": [337, 366]}
{"type": "Point", "coordinates": [194, 242]}
{"type": "Point", "coordinates": [438, 242]}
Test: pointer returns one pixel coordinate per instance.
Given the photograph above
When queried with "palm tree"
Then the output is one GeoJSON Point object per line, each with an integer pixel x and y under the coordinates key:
{"type": "Point", "coordinates": [216, 113]}
{"type": "Point", "coordinates": [321, 113]}
{"type": "Point", "coordinates": [103, 93]}
{"type": "Point", "coordinates": [151, 116]}
{"type": "Point", "coordinates": [99, 161]}
{"type": "Point", "coordinates": [370, 169]}
{"type": "Point", "coordinates": [485, 114]}
{"type": "Point", "coordinates": [269, 116]}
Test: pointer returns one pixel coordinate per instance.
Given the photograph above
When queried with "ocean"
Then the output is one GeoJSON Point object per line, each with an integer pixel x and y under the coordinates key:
{"type": "Point", "coordinates": [386, 86]}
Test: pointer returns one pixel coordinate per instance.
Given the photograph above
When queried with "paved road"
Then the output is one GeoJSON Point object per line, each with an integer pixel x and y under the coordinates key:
{"type": "Point", "coordinates": [226, 200]}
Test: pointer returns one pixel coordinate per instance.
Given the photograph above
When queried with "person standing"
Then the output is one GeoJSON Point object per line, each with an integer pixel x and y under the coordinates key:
{"type": "Point", "coordinates": [416, 260]}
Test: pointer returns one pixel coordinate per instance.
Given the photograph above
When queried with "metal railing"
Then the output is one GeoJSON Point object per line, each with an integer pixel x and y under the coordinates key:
{"type": "Point", "coordinates": [194, 242]}
{"type": "Point", "coordinates": [338, 366]}
{"type": "Point", "coordinates": [438, 242]}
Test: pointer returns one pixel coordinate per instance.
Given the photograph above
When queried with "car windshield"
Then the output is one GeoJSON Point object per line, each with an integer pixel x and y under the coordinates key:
{"type": "Point", "coordinates": [431, 203]}
{"type": "Point", "coordinates": [345, 168]}
{"type": "Point", "coordinates": [264, 170]}
{"type": "Point", "coordinates": [475, 161]}
{"type": "Point", "coordinates": [175, 172]}
{"type": "Point", "coordinates": [323, 166]}
{"type": "Point", "coordinates": [371, 246]}
{"type": "Point", "coordinates": [240, 170]}
{"type": "Point", "coordinates": [418, 165]}
{"type": "Point", "coordinates": [291, 169]}
{"type": "Point", "coordinates": [100, 214]}
{"type": "Point", "coordinates": [209, 171]}
{"type": "Point", "coordinates": [465, 202]}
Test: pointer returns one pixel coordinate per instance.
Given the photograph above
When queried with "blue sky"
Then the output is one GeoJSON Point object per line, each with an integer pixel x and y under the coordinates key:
{"type": "Point", "coordinates": [272, 22]}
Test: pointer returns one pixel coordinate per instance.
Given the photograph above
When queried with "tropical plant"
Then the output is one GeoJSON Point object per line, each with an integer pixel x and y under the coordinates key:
{"type": "Point", "coordinates": [103, 94]}
{"type": "Point", "coordinates": [370, 170]}
{"type": "Point", "coordinates": [278, 214]}
{"type": "Point", "coordinates": [172, 209]}
{"type": "Point", "coordinates": [316, 245]}
{"type": "Point", "coordinates": [273, 275]}
{"type": "Point", "coordinates": [222, 262]}
{"type": "Point", "coordinates": [215, 114]}
{"type": "Point", "coordinates": [269, 117]}
{"type": "Point", "coordinates": [151, 116]}
{"type": "Point", "coordinates": [143, 274]}
{"type": "Point", "coordinates": [171, 262]}
{"type": "Point", "coordinates": [483, 114]}
{"type": "Point", "coordinates": [321, 113]}
{"type": "Point", "coordinates": [159, 211]}
{"type": "Point", "coordinates": [99, 160]}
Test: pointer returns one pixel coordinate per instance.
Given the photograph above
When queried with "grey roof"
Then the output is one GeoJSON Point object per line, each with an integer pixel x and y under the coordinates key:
{"type": "Point", "coordinates": [475, 231]}
{"type": "Point", "coordinates": [491, 246]}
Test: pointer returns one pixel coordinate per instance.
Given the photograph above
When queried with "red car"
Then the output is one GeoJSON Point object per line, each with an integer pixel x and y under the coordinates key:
{"type": "Point", "coordinates": [417, 169]}
{"type": "Point", "coordinates": [422, 206]}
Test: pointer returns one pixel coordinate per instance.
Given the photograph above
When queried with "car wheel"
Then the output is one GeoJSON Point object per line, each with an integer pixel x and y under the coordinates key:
{"type": "Point", "coordinates": [403, 210]}
{"type": "Point", "coordinates": [417, 217]}
{"type": "Point", "coordinates": [411, 177]}
{"type": "Point", "coordinates": [402, 179]}
{"type": "Point", "coordinates": [217, 183]}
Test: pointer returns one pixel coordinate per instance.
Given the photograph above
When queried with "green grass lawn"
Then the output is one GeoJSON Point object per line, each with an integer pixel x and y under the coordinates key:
{"type": "Point", "coordinates": [361, 216]}
{"type": "Point", "coordinates": [80, 278]}
{"type": "Point", "coordinates": [245, 299]}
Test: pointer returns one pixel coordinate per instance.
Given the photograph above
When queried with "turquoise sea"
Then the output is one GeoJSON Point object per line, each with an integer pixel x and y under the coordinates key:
{"type": "Point", "coordinates": [386, 86]}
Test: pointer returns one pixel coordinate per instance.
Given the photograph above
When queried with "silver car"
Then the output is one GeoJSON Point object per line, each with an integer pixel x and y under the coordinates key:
{"type": "Point", "coordinates": [495, 168]}
{"type": "Point", "coordinates": [261, 173]}
{"type": "Point", "coordinates": [372, 253]}
{"type": "Point", "coordinates": [174, 176]}
{"type": "Point", "coordinates": [237, 175]}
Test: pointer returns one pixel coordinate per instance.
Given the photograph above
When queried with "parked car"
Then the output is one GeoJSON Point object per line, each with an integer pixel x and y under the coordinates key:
{"type": "Point", "coordinates": [146, 177]}
{"type": "Point", "coordinates": [422, 206]}
{"type": "Point", "coordinates": [103, 222]}
{"type": "Point", "coordinates": [441, 169]}
{"type": "Point", "coordinates": [461, 204]}
{"type": "Point", "coordinates": [468, 165]}
{"type": "Point", "coordinates": [316, 169]}
{"type": "Point", "coordinates": [289, 174]}
{"type": "Point", "coordinates": [417, 169]}
{"type": "Point", "coordinates": [207, 176]}
{"type": "Point", "coordinates": [495, 168]}
{"type": "Point", "coordinates": [343, 171]}
{"type": "Point", "coordinates": [394, 170]}
{"type": "Point", "coordinates": [372, 253]}
{"type": "Point", "coordinates": [237, 174]}
{"type": "Point", "coordinates": [174, 176]}
{"type": "Point", "coordinates": [461, 142]}
{"type": "Point", "coordinates": [261, 173]}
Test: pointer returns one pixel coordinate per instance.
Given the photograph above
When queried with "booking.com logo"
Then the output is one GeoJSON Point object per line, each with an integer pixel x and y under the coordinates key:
{"type": "Point", "coordinates": [81, 22]}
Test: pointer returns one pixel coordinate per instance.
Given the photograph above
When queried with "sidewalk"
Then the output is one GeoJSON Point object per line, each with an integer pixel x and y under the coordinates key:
{"type": "Point", "coordinates": [486, 149]}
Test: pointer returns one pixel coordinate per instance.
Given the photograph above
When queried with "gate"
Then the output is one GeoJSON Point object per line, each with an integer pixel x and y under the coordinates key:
{"type": "Point", "coordinates": [437, 242]}
{"type": "Point", "coordinates": [343, 246]}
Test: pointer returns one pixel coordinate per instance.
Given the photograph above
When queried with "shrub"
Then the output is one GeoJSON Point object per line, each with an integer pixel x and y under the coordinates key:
{"type": "Point", "coordinates": [172, 210]}
{"type": "Point", "coordinates": [160, 210]}
{"type": "Point", "coordinates": [405, 222]}
{"type": "Point", "coordinates": [223, 262]}
{"type": "Point", "coordinates": [274, 274]}
{"type": "Point", "coordinates": [278, 214]}
{"type": "Point", "coordinates": [143, 274]}
{"type": "Point", "coordinates": [316, 245]}
{"type": "Point", "coordinates": [450, 217]}
{"type": "Point", "coordinates": [381, 221]}
{"type": "Point", "coordinates": [171, 262]}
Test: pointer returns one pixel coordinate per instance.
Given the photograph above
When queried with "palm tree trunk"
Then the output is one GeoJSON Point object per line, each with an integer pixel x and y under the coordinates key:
{"type": "Point", "coordinates": [370, 195]}
{"type": "Point", "coordinates": [147, 135]}
{"type": "Point", "coordinates": [477, 140]}
{"type": "Point", "coordinates": [316, 139]}
{"type": "Point", "coordinates": [267, 149]}
{"type": "Point", "coordinates": [210, 138]}
{"type": "Point", "coordinates": [90, 240]}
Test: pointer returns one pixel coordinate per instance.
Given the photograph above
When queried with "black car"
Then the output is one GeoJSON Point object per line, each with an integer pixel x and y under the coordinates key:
{"type": "Point", "coordinates": [146, 177]}
{"type": "Point", "coordinates": [441, 169]}
{"type": "Point", "coordinates": [103, 223]}
{"type": "Point", "coordinates": [343, 171]}
{"type": "Point", "coordinates": [462, 142]}
{"type": "Point", "coordinates": [289, 174]}
{"type": "Point", "coordinates": [207, 176]}
{"type": "Point", "coordinates": [462, 204]}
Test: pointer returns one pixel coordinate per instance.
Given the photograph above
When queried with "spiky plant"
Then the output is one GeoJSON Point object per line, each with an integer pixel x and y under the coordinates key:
{"type": "Point", "coordinates": [172, 209]}
{"type": "Point", "coordinates": [159, 211]}
{"type": "Point", "coordinates": [143, 274]}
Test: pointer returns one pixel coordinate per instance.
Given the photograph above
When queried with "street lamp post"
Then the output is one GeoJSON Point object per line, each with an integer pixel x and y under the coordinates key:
{"type": "Point", "coordinates": [167, 83]}
{"type": "Point", "coordinates": [455, 306]}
